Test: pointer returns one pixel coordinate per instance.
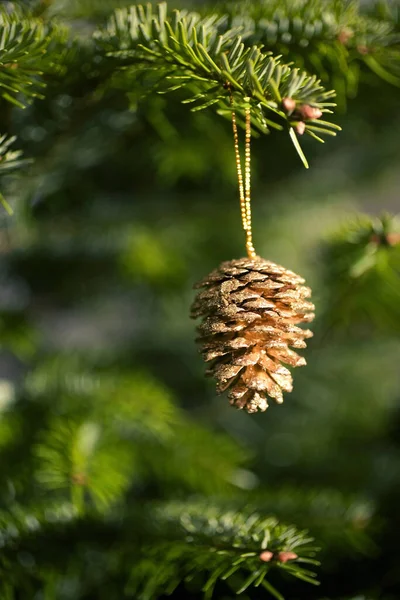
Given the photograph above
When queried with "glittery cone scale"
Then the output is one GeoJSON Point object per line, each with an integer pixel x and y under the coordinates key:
{"type": "Point", "coordinates": [251, 308]}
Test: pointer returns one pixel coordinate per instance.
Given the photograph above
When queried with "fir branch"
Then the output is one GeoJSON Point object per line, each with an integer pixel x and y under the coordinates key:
{"type": "Point", "coordinates": [24, 43]}
{"type": "Point", "coordinates": [10, 160]}
{"type": "Point", "coordinates": [212, 62]}
{"type": "Point", "coordinates": [153, 549]}
{"type": "Point", "coordinates": [362, 275]}
{"type": "Point", "coordinates": [142, 423]}
{"type": "Point", "coordinates": [219, 545]}
{"type": "Point", "coordinates": [327, 37]}
{"type": "Point", "coordinates": [73, 457]}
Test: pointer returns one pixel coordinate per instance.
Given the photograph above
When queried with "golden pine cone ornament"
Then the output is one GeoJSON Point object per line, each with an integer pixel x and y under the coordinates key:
{"type": "Point", "coordinates": [251, 308]}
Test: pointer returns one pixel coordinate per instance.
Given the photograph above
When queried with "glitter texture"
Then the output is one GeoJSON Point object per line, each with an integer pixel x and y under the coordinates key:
{"type": "Point", "coordinates": [251, 308]}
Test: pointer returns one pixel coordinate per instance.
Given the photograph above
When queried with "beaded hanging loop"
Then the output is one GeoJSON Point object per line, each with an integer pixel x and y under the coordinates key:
{"type": "Point", "coordinates": [244, 186]}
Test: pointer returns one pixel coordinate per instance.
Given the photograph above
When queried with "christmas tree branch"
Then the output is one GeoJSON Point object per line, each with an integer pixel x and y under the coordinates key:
{"type": "Point", "coordinates": [158, 548]}
{"type": "Point", "coordinates": [362, 274]}
{"type": "Point", "coordinates": [238, 547]}
{"type": "Point", "coordinates": [213, 63]}
{"type": "Point", "coordinates": [10, 160]}
{"type": "Point", "coordinates": [24, 56]}
{"type": "Point", "coordinates": [328, 37]}
{"type": "Point", "coordinates": [71, 453]}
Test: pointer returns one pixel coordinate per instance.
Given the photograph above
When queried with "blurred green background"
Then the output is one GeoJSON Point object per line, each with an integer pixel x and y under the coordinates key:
{"type": "Point", "coordinates": [127, 204]}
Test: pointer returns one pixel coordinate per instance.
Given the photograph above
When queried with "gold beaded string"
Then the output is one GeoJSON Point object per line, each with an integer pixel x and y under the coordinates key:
{"type": "Point", "coordinates": [244, 188]}
{"type": "Point", "coordinates": [247, 184]}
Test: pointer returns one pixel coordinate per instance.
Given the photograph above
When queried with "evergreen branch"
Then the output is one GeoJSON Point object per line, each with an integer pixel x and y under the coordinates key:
{"type": "Point", "coordinates": [73, 457]}
{"type": "Point", "coordinates": [219, 546]}
{"type": "Point", "coordinates": [213, 63]}
{"type": "Point", "coordinates": [24, 43]}
{"type": "Point", "coordinates": [363, 271]}
{"type": "Point", "coordinates": [155, 548]}
{"type": "Point", "coordinates": [143, 425]}
{"type": "Point", "coordinates": [327, 37]}
{"type": "Point", "coordinates": [10, 159]}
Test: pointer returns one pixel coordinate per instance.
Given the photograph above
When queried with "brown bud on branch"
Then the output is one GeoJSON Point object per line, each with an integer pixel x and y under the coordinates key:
{"type": "Point", "coordinates": [300, 127]}
{"type": "Point", "coordinates": [345, 35]}
{"type": "Point", "coordinates": [289, 105]}
{"type": "Point", "coordinates": [284, 557]}
{"type": "Point", "coordinates": [266, 556]}
{"type": "Point", "coordinates": [309, 112]}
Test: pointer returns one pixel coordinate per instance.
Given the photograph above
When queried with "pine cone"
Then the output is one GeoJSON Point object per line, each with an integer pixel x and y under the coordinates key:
{"type": "Point", "coordinates": [250, 308]}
